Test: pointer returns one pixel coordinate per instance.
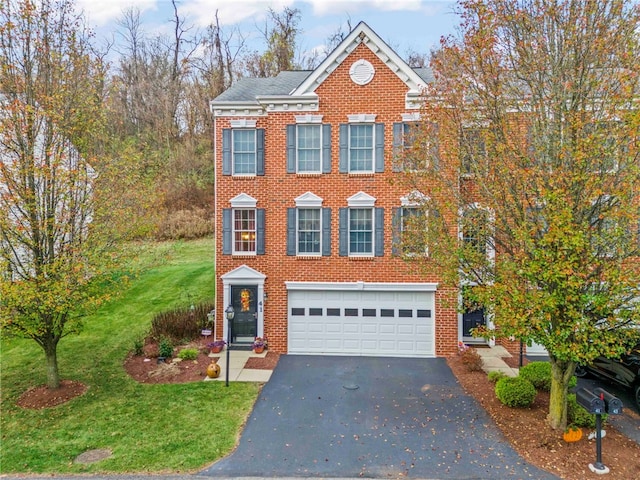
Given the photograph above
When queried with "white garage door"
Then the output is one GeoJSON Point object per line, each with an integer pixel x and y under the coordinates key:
{"type": "Point", "coordinates": [371, 323]}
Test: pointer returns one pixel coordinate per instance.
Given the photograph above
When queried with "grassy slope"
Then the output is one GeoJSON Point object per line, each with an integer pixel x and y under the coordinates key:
{"type": "Point", "coordinates": [149, 428]}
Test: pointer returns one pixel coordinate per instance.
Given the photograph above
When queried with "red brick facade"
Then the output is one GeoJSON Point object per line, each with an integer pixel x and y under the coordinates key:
{"type": "Point", "coordinates": [275, 191]}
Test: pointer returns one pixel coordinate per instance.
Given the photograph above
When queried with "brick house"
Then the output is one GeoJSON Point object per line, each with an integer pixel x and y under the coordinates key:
{"type": "Point", "coordinates": [307, 213]}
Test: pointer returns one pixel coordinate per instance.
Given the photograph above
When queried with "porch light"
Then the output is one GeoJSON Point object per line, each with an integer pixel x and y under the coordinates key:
{"type": "Point", "coordinates": [230, 313]}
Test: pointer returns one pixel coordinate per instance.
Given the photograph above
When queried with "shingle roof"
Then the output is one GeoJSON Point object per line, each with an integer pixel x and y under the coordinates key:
{"type": "Point", "coordinates": [247, 89]}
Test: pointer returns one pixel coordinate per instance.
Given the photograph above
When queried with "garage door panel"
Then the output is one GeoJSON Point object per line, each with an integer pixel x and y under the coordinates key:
{"type": "Point", "coordinates": [392, 323]}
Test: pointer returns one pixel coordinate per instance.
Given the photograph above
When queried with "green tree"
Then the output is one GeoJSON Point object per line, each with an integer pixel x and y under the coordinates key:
{"type": "Point", "coordinates": [536, 181]}
{"type": "Point", "coordinates": [57, 242]}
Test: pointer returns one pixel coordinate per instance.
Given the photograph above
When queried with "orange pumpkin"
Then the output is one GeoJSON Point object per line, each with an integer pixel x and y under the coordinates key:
{"type": "Point", "coordinates": [573, 434]}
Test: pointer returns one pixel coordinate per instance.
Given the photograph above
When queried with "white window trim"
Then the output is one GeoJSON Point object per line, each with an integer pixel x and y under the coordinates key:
{"type": "Point", "coordinates": [314, 119]}
{"type": "Point", "coordinates": [233, 232]}
{"type": "Point", "coordinates": [243, 123]}
{"type": "Point", "coordinates": [308, 254]}
{"type": "Point", "coordinates": [491, 252]}
{"type": "Point", "coordinates": [373, 231]}
{"type": "Point", "coordinates": [362, 118]}
{"type": "Point", "coordinates": [309, 172]}
{"type": "Point", "coordinates": [243, 201]}
{"type": "Point", "coordinates": [373, 148]}
{"type": "Point", "coordinates": [361, 200]}
{"type": "Point", "coordinates": [255, 152]}
{"type": "Point", "coordinates": [414, 199]}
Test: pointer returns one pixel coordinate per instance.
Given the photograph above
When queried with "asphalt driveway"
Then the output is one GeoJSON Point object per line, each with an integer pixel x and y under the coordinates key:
{"type": "Point", "coordinates": [369, 417]}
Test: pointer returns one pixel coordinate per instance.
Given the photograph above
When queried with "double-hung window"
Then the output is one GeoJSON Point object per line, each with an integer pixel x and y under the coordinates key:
{"type": "Point", "coordinates": [309, 227]}
{"type": "Point", "coordinates": [361, 145]}
{"type": "Point", "coordinates": [309, 145]}
{"type": "Point", "coordinates": [243, 149]}
{"type": "Point", "coordinates": [410, 225]}
{"type": "Point", "coordinates": [361, 227]}
{"type": "Point", "coordinates": [473, 151]}
{"type": "Point", "coordinates": [415, 145]}
{"type": "Point", "coordinates": [243, 227]}
{"type": "Point", "coordinates": [606, 144]}
{"type": "Point", "coordinates": [476, 231]}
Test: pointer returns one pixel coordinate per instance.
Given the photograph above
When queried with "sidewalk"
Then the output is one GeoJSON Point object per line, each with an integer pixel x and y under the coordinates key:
{"type": "Point", "coordinates": [492, 360]}
{"type": "Point", "coordinates": [237, 370]}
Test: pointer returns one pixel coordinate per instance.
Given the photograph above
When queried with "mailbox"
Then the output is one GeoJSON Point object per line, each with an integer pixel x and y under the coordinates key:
{"type": "Point", "coordinates": [590, 401]}
{"type": "Point", "coordinates": [612, 405]}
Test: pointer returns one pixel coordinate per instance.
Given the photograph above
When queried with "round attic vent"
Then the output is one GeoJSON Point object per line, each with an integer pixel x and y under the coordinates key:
{"type": "Point", "coordinates": [361, 72]}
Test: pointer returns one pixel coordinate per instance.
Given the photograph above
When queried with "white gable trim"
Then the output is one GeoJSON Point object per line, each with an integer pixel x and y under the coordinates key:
{"type": "Point", "coordinates": [361, 199]}
{"type": "Point", "coordinates": [362, 33]}
{"type": "Point", "coordinates": [413, 199]}
{"type": "Point", "coordinates": [308, 200]}
{"type": "Point", "coordinates": [243, 200]}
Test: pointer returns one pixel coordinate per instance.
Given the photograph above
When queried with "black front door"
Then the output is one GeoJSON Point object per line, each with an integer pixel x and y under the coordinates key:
{"type": "Point", "coordinates": [244, 299]}
{"type": "Point", "coordinates": [472, 319]}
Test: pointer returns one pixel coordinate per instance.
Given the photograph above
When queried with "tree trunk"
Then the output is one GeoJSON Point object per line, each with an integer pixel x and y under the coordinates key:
{"type": "Point", "coordinates": [51, 355]}
{"type": "Point", "coordinates": [561, 373]}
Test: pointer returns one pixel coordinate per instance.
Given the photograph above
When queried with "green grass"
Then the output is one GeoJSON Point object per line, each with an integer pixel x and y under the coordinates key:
{"type": "Point", "coordinates": [149, 428]}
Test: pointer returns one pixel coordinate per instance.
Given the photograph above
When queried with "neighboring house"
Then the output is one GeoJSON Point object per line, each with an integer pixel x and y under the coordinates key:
{"type": "Point", "coordinates": [307, 213]}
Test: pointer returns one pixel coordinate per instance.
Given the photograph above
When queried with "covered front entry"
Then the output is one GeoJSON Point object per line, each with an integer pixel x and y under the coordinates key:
{"type": "Point", "coordinates": [244, 299]}
{"type": "Point", "coordinates": [394, 320]}
{"type": "Point", "coordinates": [243, 289]}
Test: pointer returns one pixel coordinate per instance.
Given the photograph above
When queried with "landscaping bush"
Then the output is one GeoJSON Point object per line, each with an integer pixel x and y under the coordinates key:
{"type": "Point", "coordinates": [578, 415]}
{"type": "Point", "coordinates": [515, 392]}
{"type": "Point", "coordinates": [471, 359]}
{"type": "Point", "coordinates": [182, 323]}
{"type": "Point", "coordinates": [165, 348]}
{"type": "Point", "coordinates": [188, 354]}
{"type": "Point", "coordinates": [495, 375]}
{"type": "Point", "coordinates": [538, 373]}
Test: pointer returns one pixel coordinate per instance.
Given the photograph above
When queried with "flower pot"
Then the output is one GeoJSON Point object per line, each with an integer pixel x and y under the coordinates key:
{"type": "Point", "coordinates": [258, 349]}
{"type": "Point", "coordinates": [216, 349]}
{"type": "Point", "coordinates": [213, 370]}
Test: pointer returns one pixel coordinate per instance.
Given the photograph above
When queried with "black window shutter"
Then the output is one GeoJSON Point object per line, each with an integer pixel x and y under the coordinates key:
{"type": "Point", "coordinates": [291, 149]}
{"type": "Point", "coordinates": [343, 243]}
{"type": "Point", "coordinates": [227, 239]}
{"type": "Point", "coordinates": [344, 148]}
{"type": "Point", "coordinates": [398, 143]}
{"type": "Point", "coordinates": [226, 151]}
{"type": "Point", "coordinates": [260, 231]}
{"type": "Point", "coordinates": [260, 151]}
{"type": "Point", "coordinates": [291, 231]}
{"type": "Point", "coordinates": [326, 232]}
{"type": "Point", "coordinates": [435, 146]}
{"type": "Point", "coordinates": [396, 226]}
{"type": "Point", "coordinates": [326, 148]}
{"type": "Point", "coordinates": [379, 238]}
{"type": "Point", "coordinates": [379, 153]}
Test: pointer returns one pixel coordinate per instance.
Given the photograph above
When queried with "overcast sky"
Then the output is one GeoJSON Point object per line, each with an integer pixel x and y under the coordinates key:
{"type": "Point", "coordinates": [404, 24]}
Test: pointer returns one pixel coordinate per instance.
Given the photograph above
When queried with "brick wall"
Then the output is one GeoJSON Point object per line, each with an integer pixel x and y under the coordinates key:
{"type": "Point", "coordinates": [384, 96]}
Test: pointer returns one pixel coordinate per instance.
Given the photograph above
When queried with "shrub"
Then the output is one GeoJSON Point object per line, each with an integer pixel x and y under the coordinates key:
{"type": "Point", "coordinates": [471, 359]}
{"type": "Point", "coordinates": [495, 375]}
{"type": "Point", "coordinates": [538, 373]}
{"type": "Point", "coordinates": [181, 324]}
{"type": "Point", "coordinates": [165, 348]}
{"type": "Point", "coordinates": [578, 415]}
{"type": "Point", "coordinates": [186, 224]}
{"type": "Point", "coordinates": [188, 354]}
{"type": "Point", "coordinates": [515, 392]}
{"type": "Point", "coordinates": [138, 346]}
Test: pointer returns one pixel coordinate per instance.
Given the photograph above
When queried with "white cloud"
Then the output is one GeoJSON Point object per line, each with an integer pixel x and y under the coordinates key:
{"type": "Point", "coordinates": [230, 12]}
{"type": "Point", "coordinates": [101, 12]}
{"type": "Point", "coordinates": [325, 7]}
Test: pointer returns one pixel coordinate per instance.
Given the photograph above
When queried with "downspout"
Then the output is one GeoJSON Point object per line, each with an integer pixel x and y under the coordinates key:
{"type": "Point", "coordinates": [215, 218]}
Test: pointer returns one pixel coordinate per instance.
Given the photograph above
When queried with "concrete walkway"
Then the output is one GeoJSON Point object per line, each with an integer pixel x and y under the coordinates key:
{"type": "Point", "coordinates": [237, 370]}
{"type": "Point", "coordinates": [492, 360]}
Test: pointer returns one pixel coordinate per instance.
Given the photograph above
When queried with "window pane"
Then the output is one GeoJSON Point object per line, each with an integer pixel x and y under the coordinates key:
{"type": "Point", "coordinates": [244, 151]}
{"type": "Point", "coordinates": [360, 230]}
{"type": "Point", "coordinates": [413, 225]}
{"type": "Point", "coordinates": [309, 230]}
{"type": "Point", "coordinates": [473, 150]}
{"type": "Point", "coordinates": [244, 230]}
{"type": "Point", "coordinates": [360, 148]}
{"type": "Point", "coordinates": [309, 148]}
{"type": "Point", "coordinates": [475, 223]}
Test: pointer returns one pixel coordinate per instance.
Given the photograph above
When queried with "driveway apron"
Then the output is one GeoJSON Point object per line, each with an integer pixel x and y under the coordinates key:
{"type": "Point", "coordinates": [370, 417]}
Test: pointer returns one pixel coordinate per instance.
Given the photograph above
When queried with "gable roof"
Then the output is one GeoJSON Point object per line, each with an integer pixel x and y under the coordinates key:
{"type": "Point", "coordinates": [295, 90]}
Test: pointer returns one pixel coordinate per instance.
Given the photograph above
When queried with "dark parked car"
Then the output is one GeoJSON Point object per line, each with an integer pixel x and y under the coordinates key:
{"type": "Point", "coordinates": [624, 371]}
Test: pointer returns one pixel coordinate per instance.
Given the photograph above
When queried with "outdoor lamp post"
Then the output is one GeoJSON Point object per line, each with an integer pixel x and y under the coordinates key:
{"type": "Point", "coordinates": [230, 312]}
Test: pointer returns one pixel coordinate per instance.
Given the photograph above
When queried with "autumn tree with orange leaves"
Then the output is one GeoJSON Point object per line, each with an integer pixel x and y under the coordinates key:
{"type": "Point", "coordinates": [531, 132]}
{"type": "Point", "coordinates": [61, 208]}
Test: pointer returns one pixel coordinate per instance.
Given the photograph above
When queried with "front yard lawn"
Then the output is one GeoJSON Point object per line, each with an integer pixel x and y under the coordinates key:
{"type": "Point", "coordinates": [148, 428]}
